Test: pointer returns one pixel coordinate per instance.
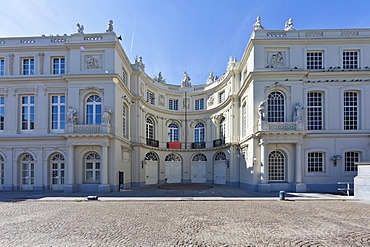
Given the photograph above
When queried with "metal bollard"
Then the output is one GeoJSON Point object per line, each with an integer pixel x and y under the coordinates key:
{"type": "Point", "coordinates": [282, 195]}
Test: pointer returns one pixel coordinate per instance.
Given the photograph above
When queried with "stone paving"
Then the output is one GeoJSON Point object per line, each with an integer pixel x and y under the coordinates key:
{"type": "Point", "coordinates": [184, 223]}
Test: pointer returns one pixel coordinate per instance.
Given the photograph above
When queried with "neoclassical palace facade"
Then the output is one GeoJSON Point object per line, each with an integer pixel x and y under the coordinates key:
{"type": "Point", "coordinates": [77, 115]}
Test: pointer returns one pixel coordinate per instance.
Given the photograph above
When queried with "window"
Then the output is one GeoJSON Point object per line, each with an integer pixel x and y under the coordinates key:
{"type": "Point", "coordinates": [93, 109]}
{"type": "Point", "coordinates": [220, 156]}
{"type": "Point", "coordinates": [350, 59]}
{"type": "Point", "coordinates": [275, 105]}
{"type": "Point", "coordinates": [172, 157]}
{"type": "Point", "coordinates": [199, 157]}
{"type": "Point", "coordinates": [244, 119]}
{"type": "Point", "coordinates": [92, 168]}
{"type": "Point", "coordinates": [151, 156]}
{"type": "Point", "coordinates": [276, 166]}
{"type": "Point", "coordinates": [59, 66]}
{"type": "Point", "coordinates": [199, 104]}
{"type": "Point", "coordinates": [349, 161]}
{"type": "Point", "coordinates": [149, 129]}
{"type": "Point", "coordinates": [27, 170]}
{"type": "Point", "coordinates": [28, 66]}
{"type": "Point", "coordinates": [173, 104]}
{"type": "Point", "coordinates": [315, 111]}
{"type": "Point", "coordinates": [58, 112]}
{"type": "Point", "coordinates": [2, 67]}
{"type": "Point", "coordinates": [57, 166]}
{"type": "Point", "coordinates": [150, 97]}
{"type": "Point", "coordinates": [222, 128]}
{"type": "Point", "coordinates": [314, 60]}
{"type": "Point", "coordinates": [124, 75]}
{"type": "Point", "coordinates": [124, 121]}
{"type": "Point", "coordinates": [173, 132]}
{"type": "Point", "coordinates": [2, 113]}
{"type": "Point", "coordinates": [221, 97]}
{"type": "Point", "coordinates": [199, 133]}
{"type": "Point", "coordinates": [2, 174]}
{"type": "Point", "coordinates": [315, 162]}
{"type": "Point", "coordinates": [350, 110]}
{"type": "Point", "coordinates": [28, 112]}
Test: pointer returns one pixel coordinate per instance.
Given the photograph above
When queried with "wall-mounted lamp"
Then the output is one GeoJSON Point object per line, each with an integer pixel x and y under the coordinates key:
{"type": "Point", "coordinates": [335, 158]}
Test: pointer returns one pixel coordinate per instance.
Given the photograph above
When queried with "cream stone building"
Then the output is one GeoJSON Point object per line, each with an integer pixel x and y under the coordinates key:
{"type": "Point", "coordinates": [290, 114]}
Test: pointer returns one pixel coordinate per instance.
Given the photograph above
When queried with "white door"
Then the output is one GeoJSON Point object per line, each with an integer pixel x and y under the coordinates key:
{"type": "Point", "coordinates": [28, 176]}
{"type": "Point", "coordinates": [151, 172]}
{"type": "Point", "coordinates": [173, 172]}
{"type": "Point", "coordinates": [219, 172]}
{"type": "Point", "coordinates": [198, 172]}
{"type": "Point", "coordinates": [57, 175]}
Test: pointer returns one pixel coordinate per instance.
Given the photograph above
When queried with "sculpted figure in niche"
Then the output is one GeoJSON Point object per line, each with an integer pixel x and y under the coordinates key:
{"type": "Point", "coordinates": [80, 28]}
{"type": "Point", "coordinates": [262, 115]}
{"type": "Point", "coordinates": [110, 26]}
{"type": "Point", "coordinates": [107, 116]}
{"type": "Point", "coordinates": [71, 116]}
{"type": "Point", "coordinates": [297, 114]}
{"type": "Point", "coordinates": [257, 25]}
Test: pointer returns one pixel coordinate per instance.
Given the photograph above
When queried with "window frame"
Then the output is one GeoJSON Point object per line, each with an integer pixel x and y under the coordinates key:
{"type": "Point", "coordinates": [150, 129]}
{"type": "Point", "coordinates": [173, 104]}
{"type": "Point", "coordinates": [92, 114]}
{"type": "Point", "coordinates": [199, 133]}
{"type": "Point", "coordinates": [199, 104]}
{"type": "Point", "coordinates": [173, 132]}
{"type": "Point", "coordinates": [276, 113]}
{"type": "Point", "coordinates": [150, 97]}
{"type": "Point", "coordinates": [95, 161]}
{"type": "Point", "coordinates": [316, 163]}
{"type": "Point", "coordinates": [60, 113]}
{"type": "Point", "coordinates": [312, 108]}
{"type": "Point", "coordinates": [30, 106]}
{"type": "Point", "coordinates": [351, 116]}
{"type": "Point", "coordinates": [28, 69]}
{"type": "Point", "coordinates": [351, 65]}
{"type": "Point", "coordinates": [2, 66]}
{"type": "Point", "coordinates": [349, 166]}
{"type": "Point", "coordinates": [61, 68]}
{"type": "Point", "coordinates": [222, 96]}
{"type": "Point", "coordinates": [280, 174]}
{"type": "Point", "coordinates": [320, 61]}
{"type": "Point", "coordinates": [2, 112]}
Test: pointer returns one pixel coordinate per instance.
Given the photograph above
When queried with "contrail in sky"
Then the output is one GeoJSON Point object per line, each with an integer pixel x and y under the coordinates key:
{"type": "Point", "coordinates": [133, 36]}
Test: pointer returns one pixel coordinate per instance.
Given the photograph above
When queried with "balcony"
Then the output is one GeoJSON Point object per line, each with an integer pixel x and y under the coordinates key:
{"type": "Point", "coordinates": [218, 142]}
{"type": "Point", "coordinates": [151, 142]}
{"type": "Point", "coordinates": [198, 145]}
{"type": "Point", "coordinates": [280, 126]}
{"type": "Point", "coordinates": [174, 145]}
{"type": "Point", "coordinates": [88, 129]}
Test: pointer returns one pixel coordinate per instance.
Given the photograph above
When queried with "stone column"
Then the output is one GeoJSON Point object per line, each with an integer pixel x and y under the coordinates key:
{"type": "Point", "coordinates": [41, 55]}
{"type": "Point", "coordinates": [263, 186]}
{"type": "Point", "coordinates": [104, 186]}
{"type": "Point", "coordinates": [300, 186]}
{"type": "Point", "coordinates": [70, 185]}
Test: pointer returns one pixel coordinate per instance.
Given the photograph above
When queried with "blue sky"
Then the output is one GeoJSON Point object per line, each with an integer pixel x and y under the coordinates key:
{"type": "Point", "coordinates": [177, 35]}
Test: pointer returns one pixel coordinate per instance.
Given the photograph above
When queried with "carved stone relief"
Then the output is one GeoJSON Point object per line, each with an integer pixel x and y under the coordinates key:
{"type": "Point", "coordinates": [276, 58]}
{"type": "Point", "coordinates": [11, 64]}
{"type": "Point", "coordinates": [93, 61]}
{"type": "Point", "coordinates": [210, 100]}
{"type": "Point", "coordinates": [161, 99]}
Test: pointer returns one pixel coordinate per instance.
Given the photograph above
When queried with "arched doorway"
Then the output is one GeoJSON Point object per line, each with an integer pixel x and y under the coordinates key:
{"type": "Point", "coordinates": [276, 166]}
{"type": "Point", "coordinates": [151, 168]}
{"type": "Point", "coordinates": [27, 166]}
{"type": "Point", "coordinates": [173, 168]}
{"type": "Point", "coordinates": [198, 168]}
{"type": "Point", "coordinates": [57, 171]}
{"type": "Point", "coordinates": [219, 164]}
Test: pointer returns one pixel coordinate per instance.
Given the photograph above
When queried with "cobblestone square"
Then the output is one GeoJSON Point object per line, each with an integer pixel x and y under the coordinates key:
{"type": "Point", "coordinates": [184, 223]}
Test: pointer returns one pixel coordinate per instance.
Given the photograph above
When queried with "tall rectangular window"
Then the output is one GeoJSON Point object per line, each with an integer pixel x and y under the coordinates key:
{"type": "Point", "coordinates": [350, 110]}
{"type": "Point", "coordinates": [222, 97]}
{"type": "Point", "coordinates": [199, 104]}
{"type": "Point", "coordinates": [349, 161]}
{"type": "Point", "coordinates": [28, 66]}
{"type": "Point", "coordinates": [28, 112]}
{"type": "Point", "coordinates": [58, 112]}
{"type": "Point", "coordinates": [2, 66]}
{"type": "Point", "coordinates": [2, 113]}
{"type": "Point", "coordinates": [350, 59]}
{"type": "Point", "coordinates": [59, 66]}
{"type": "Point", "coordinates": [173, 104]}
{"type": "Point", "coordinates": [315, 111]}
{"type": "Point", "coordinates": [315, 162]}
{"type": "Point", "coordinates": [150, 97]}
{"type": "Point", "coordinates": [314, 60]}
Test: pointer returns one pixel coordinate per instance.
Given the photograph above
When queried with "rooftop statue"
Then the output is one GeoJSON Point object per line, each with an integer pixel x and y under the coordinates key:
{"type": "Point", "coordinates": [211, 78]}
{"type": "Point", "coordinates": [289, 25]}
{"type": "Point", "coordinates": [80, 28]}
{"type": "Point", "coordinates": [159, 78]}
{"type": "Point", "coordinates": [186, 80]}
{"type": "Point", "coordinates": [110, 26]}
{"type": "Point", "coordinates": [257, 25]}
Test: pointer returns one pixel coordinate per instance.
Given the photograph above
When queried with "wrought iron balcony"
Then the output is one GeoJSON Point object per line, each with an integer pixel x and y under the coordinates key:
{"type": "Point", "coordinates": [218, 142]}
{"type": "Point", "coordinates": [152, 142]}
{"type": "Point", "coordinates": [198, 145]}
{"type": "Point", "coordinates": [174, 145]}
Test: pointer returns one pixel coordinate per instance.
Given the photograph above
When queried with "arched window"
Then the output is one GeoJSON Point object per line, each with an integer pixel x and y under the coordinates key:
{"type": "Point", "coordinates": [276, 165]}
{"type": "Point", "coordinates": [2, 174]}
{"type": "Point", "coordinates": [149, 129]}
{"type": "Point", "coordinates": [275, 107]}
{"type": "Point", "coordinates": [93, 109]}
{"type": "Point", "coordinates": [57, 166]}
{"type": "Point", "coordinates": [151, 156]}
{"type": "Point", "coordinates": [173, 132]}
{"type": "Point", "coordinates": [27, 169]}
{"type": "Point", "coordinates": [199, 157]}
{"type": "Point", "coordinates": [199, 133]}
{"type": "Point", "coordinates": [92, 168]}
{"type": "Point", "coordinates": [172, 157]}
{"type": "Point", "coordinates": [222, 128]}
{"type": "Point", "coordinates": [220, 156]}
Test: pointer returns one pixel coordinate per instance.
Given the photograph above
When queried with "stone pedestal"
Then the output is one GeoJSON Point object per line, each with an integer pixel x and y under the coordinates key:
{"type": "Point", "coordinates": [104, 188]}
{"type": "Point", "coordinates": [264, 188]}
{"type": "Point", "coordinates": [362, 181]}
{"type": "Point", "coordinates": [301, 188]}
